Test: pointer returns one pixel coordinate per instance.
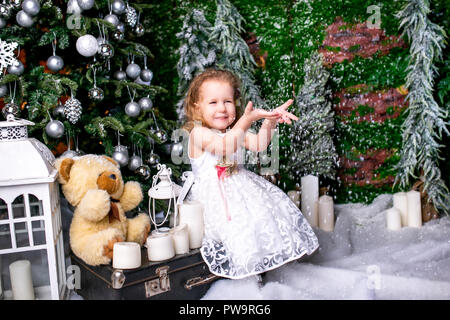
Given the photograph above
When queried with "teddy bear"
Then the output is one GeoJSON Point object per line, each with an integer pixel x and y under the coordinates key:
{"type": "Point", "coordinates": [93, 185]}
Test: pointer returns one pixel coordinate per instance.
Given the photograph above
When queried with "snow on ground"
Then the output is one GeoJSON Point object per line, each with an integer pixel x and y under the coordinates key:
{"type": "Point", "coordinates": [361, 260]}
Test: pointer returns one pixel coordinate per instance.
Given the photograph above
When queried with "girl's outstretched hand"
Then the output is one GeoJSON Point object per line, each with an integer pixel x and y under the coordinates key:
{"type": "Point", "coordinates": [285, 116]}
{"type": "Point", "coordinates": [256, 114]}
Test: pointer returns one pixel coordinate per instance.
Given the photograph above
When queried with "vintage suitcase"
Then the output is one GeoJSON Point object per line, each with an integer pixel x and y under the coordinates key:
{"type": "Point", "coordinates": [185, 276]}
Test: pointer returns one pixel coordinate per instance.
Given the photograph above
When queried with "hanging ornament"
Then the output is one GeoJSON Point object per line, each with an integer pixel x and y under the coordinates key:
{"type": "Point", "coordinates": [72, 110]}
{"type": "Point", "coordinates": [139, 29]}
{"type": "Point", "coordinates": [112, 18]}
{"type": "Point", "coordinates": [120, 75]}
{"type": "Point", "coordinates": [5, 11]}
{"type": "Point", "coordinates": [31, 7]}
{"type": "Point", "coordinates": [121, 27]}
{"type": "Point", "coordinates": [133, 70]}
{"type": "Point", "coordinates": [131, 16]}
{"type": "Point", "coordinates": [54, 129]}
{"type": "Point", "coordinates": [73, 8]}
{"type": "Point", "coordinates": [55, 63]}
{"type": "Point", "coordinates": [87, 45]}
{"type": "Point", "coordinates": [152, 159]}
{"type": "Point", "coordinates": [11, 107]}
{"type": "Point", "coordinates": [146, 74]}
{"type": "Point", "coordinates": [146, 103]}
{"type": "Point", "coordinates": [160, 134]}
{"type": "Point", "coordinates": [120, 154]}
{"type": "Point", "coordinates": [7, 55]}
{"type": "Point", "coordinates": [86, 4]}
{"type": "Point", "coordinates": [58, 112]}
{"type": "Point", "coordinates": [135, 161]}
{"type": "Point", "coordinates": [24, 19]}
{"type": "Point", "coordinates": [16, 68]}
{"type": "Point", "coordinates": [118, 6]}
{"type": "Point", "coordinates": [118, 35]}
{"type": "Point", "coordinates": [132, 109]}
{"type": "Point", "coordinates": [3, 90]}
{"type": "Point", "coordinates": [143, 171]}
{"type": "Point", "coordinates": [106, 50]}
{"type": "Point", "coordinates": [95, 93]}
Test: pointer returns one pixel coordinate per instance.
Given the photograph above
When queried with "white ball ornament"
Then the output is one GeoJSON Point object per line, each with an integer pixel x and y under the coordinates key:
{"type": "Point", "coordinates": [24, 19]}
{"type": "Point", "coordinates": [32, 7]}
{"type": "Point", "coordinates": [87, 45]}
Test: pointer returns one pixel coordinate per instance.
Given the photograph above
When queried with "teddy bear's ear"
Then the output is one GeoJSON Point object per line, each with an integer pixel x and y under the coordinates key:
{"type": "Point", "coordinates": [111, 160]}
{"type": "Point", "coordinates": [63, 166]}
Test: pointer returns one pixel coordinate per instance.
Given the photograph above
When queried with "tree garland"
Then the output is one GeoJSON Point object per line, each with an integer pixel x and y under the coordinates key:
{"type": "Point", "coordinates": [425, 118]}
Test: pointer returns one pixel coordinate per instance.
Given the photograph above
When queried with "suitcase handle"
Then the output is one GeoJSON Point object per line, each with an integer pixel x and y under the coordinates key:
{"type": "Point", "coordinates": [198, 281]}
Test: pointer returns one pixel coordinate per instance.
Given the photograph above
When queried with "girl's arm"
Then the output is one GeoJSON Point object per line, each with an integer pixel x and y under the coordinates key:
{"type": "Point", "coordinates": [206, 140]}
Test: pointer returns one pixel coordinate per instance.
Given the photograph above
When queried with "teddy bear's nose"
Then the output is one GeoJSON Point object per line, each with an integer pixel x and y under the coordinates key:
{"type": "Point", "coordinates": [112, 176]}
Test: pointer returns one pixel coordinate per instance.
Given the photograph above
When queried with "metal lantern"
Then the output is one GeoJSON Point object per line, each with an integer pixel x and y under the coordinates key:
{"type": "Point", "coordinates": [164, 190]}
{"type": "Point", "coordinates": [31, 242]}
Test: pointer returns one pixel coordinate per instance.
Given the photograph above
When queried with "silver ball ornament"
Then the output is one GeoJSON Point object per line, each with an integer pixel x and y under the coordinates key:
{"type": "Point", "coordinates": [143, 171]}
{"type": "Point", "coordinates": [120, 75]}
{"type": "Point", "coordinates": [139, 30]}
{"type": "Point", "coordinates": [3, 90]}
{"type": "Point", "coordinates": [69, 154]}
{"type": "Point", "coordinates": [152, 159]}
{"type": "Point", "coordinates": [10, 108]}
{"type": "Point", "coordinates": [118, 6]}
{"type": "Point", "coordinates": [161, 135]}
{"type": "Point", "coordinates": [58, 112]}
{"type": "Point", "coordinates": [106, 50]}
{"type": "Point", "coordinates": [16, 68]}
{"type": "Point", "coordinates": [112, 18]}
{"type": "Point", "coordinates": [96, 94]}
{"type": "Point", "coordinates": [5, 11]}
{"type": "Point", "coordinates": [86, 4]}
{"type": "Point", "coordinates": [55, 63]}
{"type": "Point", "coordinates": [120, 155]}
{"type": "Point", "coordinates": [132, 109]}
{"type": "Point", "coordinates": [146, 75]}
{"type": "Point", "coordinates": [146, 103]}
{"type": "Point", "coordinates": [134, 162]}
{"type": "Point", "coordinates": [87, 45]}
{"type": "Point", "coordinates": [2, 23]}
{"type": "Point", "coordinates": [121, 27]}
{"type": "Point", "coordinates": [133, 70]}
{"type": "Point", "coordinates": [32, 7]}
{"type": "Point", "coordinates": [24, 19]}
{"type": "Point", "coordinates": [118, 35]}
{"type": "Point", "coordinates": [55, 129]}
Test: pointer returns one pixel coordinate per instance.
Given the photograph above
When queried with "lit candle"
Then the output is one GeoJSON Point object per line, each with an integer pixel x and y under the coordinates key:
{"type": "Point", "coordinates": [294, 195]}
{"type": "Point", "coordinates": [326, 213]}
{"type": "Point", "coordinates": [180, 238]}
{"type": "Point", "coordinates": [401, 203]}
{"type": "Point", "coordinates": [393, 219]}
{"type": "Point", "coordinates": [126, 255]}
{"type": "Point", "coordinates": [160, 247]}
{"type": "Point", "coordinates": [191, 214]}
{"type": "Point", "coordinates": [310, 197]}
{"type": "Point", "coordinates": [21, 280]}
{"type": "Point", "coordinates": [414, 209]}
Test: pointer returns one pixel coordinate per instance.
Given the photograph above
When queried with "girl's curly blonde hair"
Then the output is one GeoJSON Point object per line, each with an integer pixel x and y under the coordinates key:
{"type": "Point", "coordinates": [193, 95]}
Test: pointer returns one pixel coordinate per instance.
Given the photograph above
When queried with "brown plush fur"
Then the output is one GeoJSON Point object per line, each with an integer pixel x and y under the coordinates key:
{"type": "Point", "coordinates": [89, 183]}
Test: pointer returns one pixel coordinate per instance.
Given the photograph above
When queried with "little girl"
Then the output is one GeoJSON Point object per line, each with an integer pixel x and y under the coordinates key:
{"type": "Point", "coordinates": [251, 226]}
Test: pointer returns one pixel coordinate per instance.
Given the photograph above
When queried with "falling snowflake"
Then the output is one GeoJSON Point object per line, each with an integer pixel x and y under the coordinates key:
{"type": "Point", "coordinates": [7, 56]}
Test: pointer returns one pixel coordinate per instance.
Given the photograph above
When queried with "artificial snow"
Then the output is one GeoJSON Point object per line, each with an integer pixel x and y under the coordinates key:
{"type": "Point", "coordinates": [361, 259]}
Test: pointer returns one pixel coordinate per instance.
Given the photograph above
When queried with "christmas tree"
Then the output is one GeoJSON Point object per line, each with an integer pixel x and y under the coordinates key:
{"type": "Point", "coordinates": [426, 120]}
{"type": "Point", "coordinates": [79, 72]}
{"type": "Point", "coordinates": [312, 150]}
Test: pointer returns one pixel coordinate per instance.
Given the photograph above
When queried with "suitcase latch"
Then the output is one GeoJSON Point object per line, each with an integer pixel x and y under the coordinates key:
{"type": "Point", "coordinates": [158, 285]}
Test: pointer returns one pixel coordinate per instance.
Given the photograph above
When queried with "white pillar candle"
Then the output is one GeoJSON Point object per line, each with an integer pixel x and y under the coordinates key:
{"type": "Point", "coordinates": [126, 255]}
{"type": "Point", "coordinates": [414, 209]}
{"type": "Point", "coordinates": [180, 237]}
{"type": "Point", "coordinates": [310, 198]}
{"type": "Point", "coordinates": [191, 213]}
{"type": "Point", "coordinates": [21, 280]}
{"type": "Point", "coordinates": [326, 213]}
{"type": "Point", "coordinates": [393, 219]}
{"type": "Point", "coordinates": [294, 195]}
{"type": "Point", "coordinates": [401, 203]}
{"type": "Point", "coordinates": [160, 247]}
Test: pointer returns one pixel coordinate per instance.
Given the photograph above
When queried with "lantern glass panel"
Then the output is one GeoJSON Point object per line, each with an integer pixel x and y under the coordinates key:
{"type": "Point", "coordinates": [3, 210]}
{"type": "Point", "coordinates": [21, 231]}
{"type": "Point", "coordinates": [35, 206]}
{"type": "Point", "coordinates": [38, 232]}
{"type": "Point", "coordinates": [18, 207]}
{"type": "Point", "coordinates": [5, 237]}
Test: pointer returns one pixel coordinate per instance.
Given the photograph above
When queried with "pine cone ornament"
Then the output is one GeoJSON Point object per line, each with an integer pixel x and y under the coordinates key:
{"type": "Point", "coordinates": [72, 110]}
{"type": "Point", "coordinates": [131, 16]}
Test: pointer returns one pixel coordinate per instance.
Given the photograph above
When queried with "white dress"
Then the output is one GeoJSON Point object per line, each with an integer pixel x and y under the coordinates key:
{"type": "Point", "coordinates": [263, 230]}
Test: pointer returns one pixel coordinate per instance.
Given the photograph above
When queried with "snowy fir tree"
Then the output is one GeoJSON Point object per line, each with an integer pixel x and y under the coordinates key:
{"type": "Point", "coordinates": [233, 52]}
{"type": "Point", "coordinates": [196, 52]}
{"type": "Point", "coordinates": [426, 120]}
{"type": "Point", "coordinates": [82, 78]}
{"type": "Point", "coordinates": [311, 150]}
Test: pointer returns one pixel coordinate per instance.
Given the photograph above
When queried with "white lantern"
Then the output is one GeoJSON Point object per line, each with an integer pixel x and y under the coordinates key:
{"type": "Point", "coordinates": [30, 217]}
